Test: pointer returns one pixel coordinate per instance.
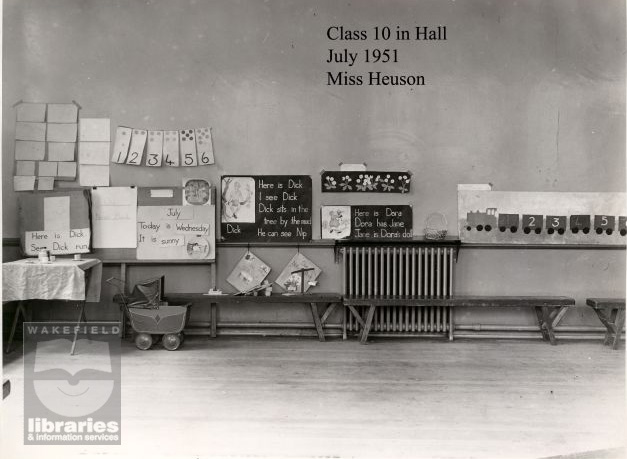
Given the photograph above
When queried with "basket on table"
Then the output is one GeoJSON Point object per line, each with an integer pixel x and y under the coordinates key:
{"type": "Point", "coordinates": [436, 226]}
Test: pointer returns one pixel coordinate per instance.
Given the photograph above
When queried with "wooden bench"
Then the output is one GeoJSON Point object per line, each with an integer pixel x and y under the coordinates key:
{"type": "Point", "coordinates": [611, 312]}
{"type": "Point", "coordinates": [549, 309]}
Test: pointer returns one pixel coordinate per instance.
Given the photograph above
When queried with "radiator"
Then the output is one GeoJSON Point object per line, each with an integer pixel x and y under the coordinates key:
{"type": "Point", "coordinates": [402, 271]}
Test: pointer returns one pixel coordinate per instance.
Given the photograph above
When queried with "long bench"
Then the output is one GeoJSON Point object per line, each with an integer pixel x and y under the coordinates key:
{"type": "Point", "coordinates": [611, 312]}
{"type": "Point", "coordinates": [549, 309]}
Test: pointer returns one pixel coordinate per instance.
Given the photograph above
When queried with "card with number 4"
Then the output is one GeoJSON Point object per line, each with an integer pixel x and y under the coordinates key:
{"type": "Point", "coordinates": [188, 148]}
{"type": "Point", "coordinates": [154, 152]}
{"type": "Point", "coordinates": [136, 150]}
{"type": "Point", "coordinates": [204, 146]}
{"type": "Point", "coordinates": [122, 142]}
{"type": "Point", "coordinates": [171, 148]}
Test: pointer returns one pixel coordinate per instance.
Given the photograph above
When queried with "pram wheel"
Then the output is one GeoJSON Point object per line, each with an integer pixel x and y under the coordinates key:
{"type": "Point", "coordinates": [143, 341]}
{"type": "Point", "coordinates": [171, 341]}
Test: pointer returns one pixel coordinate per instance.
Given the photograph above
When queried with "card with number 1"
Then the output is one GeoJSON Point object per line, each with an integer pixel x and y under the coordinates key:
{"type": "Point", "coordinates": [171, 148]}
{"type": "Point", "coordinates": [154, 152]}
{"type": "Point", "coordinates": [122, 142]}
{"type": "Point", "coordinates": [136, 151]}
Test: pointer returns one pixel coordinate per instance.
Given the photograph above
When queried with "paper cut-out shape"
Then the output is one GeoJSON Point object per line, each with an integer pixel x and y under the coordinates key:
{"type": "Point", "coordinates": [24, 183]}
{"type": "Point", "coordinates": [62, 113]}
{"type": "Point", "coordinates": [25, 168]}
{"type": "Point", "coordinates": [136, 150]}
{"type": "Point", "coordinates": [93, 175]}
{"type": "Point", "coordinates": [197, 247]}
{"type": "Point", "coordinates": [30, 131]}
{"type": "Point", "coordinates": [27, 150]}
{"type": "Point", "coordinates": [238, 199]}
{"type": "Point", "coordinates": [31, 112]}
{"type": "Point", "coordinates": [171, 148]}
{"type": "Point", "coordinates": [66, 171]}
{"type": "Point", "coordinates": [47, 169]}
{"type": "Point", "coordinates": [122, 142]}
{"type": "Point", "coordinates": [188, 148]}
{"type": "Point", "coordinates": [114, 217]}
{"type": "Point", "coordinates": [335, 222]}
{"type": "Point", "coordinates": [94, 130]}
{"type": "Point", "coordinates": [154, 151]}
{"type": "Point", "coordinates": [61, 151]}
{"type": "Point", "coordinates": [249, 272]}
{"type": "Point", "coordinates": [93, 153]}
{"type": "Point", "coordinates": [204, 146]}
{"type": "Point", "coordinates": [62, 132]}
{"type": "Point", "coordinates": [292, 282]}
{"type": "Point", "coordinates": [196, 192]}
{"type": "Point", "coordinates": [45, 183]}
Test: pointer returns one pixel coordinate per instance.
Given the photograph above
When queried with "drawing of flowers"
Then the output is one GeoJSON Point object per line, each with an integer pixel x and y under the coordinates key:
{"type": "Point", "coordinates": [385, 184]}
{"type": "Point", "coordinates": [404, 183]}
{"type": "Point", "coordinates": [345, 183]}
{"type": "Point", "coordinates": [330, 183]}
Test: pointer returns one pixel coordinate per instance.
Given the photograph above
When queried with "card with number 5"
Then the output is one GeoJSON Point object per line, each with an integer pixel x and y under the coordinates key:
{"type": "Point", "coordinates": [188, 148]}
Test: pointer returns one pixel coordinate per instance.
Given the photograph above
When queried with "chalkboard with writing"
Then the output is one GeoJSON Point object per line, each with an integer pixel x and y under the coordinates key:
{"type": "Point", "coordinates": [366, 222]}
{"type": "Point", "coordinates": [266, 208]}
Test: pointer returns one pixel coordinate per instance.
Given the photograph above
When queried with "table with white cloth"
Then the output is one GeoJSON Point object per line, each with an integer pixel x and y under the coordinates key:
{"type": "Point", "coordinates": [62, 279]}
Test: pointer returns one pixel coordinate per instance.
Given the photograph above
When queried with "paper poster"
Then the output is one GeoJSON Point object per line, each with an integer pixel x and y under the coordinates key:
{"type": "Point", "coordinates": [25, 168]}
{"type": "Point", "coordinates": [249, 272]}
{"type": "Point", "coordinates": [290, 281]}
{"type": "Point", "coordinates": [154, 151]}
{"type": "Point", "coordinates": [136, 150]}
{"type": "Point", "coordinates": [93, 175]}
{"type": "Point", "coordinates": [122, 142]}
{"type": "Point", "coordinates": [26, 150]}
{"type": "Point", "coordinates": [188, 148]}
{"type": "Point", "coordinates": [114, 217]}
{"type": "Point", "coordinates": [47, 169]}
{"type": "Point", "coordinates": [61, 132]}
{"type": "Point", "coordinates": [94, 130]}
{"type": "Point", "coordinates": [24, 183]}
{"type": "Point", "coordinates": [45, 183]}
{"type": "Point", "coordinates": [31, 112]}
{"type": "Point", "coordinates": [93, 153]}
{"type": "Point", "coordinates": [238, 199]}
{"type": "Point", "coordinates": [171, 148]}
{"type": "Point", "coordinates": [57, 213]}
{"type": "Point", "coordinates": [30, 131]}
{"type": "Point", "coordinates": [66, 171]}
{"type": "Point", "coordinates": [335, 222]}
{"type": "Point", "coordinates": [62, 113]}
{"type": "Point", "coordinates": [204, 146]}
{"type": "Point", "coordinates": [61, 151]}
{"type": "Point", "coordinates": [176, 232]}
{"type": "Point", "coordinates": [57, 242]}
{"type": "Point", "coordinates": [196, 192]}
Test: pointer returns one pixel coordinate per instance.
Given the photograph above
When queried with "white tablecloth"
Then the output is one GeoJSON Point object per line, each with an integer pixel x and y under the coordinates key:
{"type": "Point", "coordinates": [63, 279]}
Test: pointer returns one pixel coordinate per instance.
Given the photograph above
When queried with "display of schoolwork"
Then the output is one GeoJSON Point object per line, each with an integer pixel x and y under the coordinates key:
{"type": "Point", "coordinates": [114, 217]}
{"type": "Point", "coordinates": [249, 273]}
{"type": "Point", "coordinates": [298, 275]}
{"type": "Point", "coordinates": [379, 222]}
{"type": "Point", "coordinates": [55, 221]}
{"type": "Point", "coordinates": [516, 217]}
{"type": "Point", "coordinates": [169, 230]}
{"type": "Point", "coordinates": [269, 208]}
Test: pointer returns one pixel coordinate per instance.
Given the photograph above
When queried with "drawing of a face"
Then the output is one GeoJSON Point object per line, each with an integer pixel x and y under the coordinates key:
{"type": "Point", "coordinates": [73, 385]}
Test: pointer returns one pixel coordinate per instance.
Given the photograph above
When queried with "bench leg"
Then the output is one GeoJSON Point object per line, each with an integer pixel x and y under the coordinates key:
{"type": "Point", "coordinates": [316, 319]}
{"type": "Point", "coordinates": [19, 310]}
{"type": "Point", "coordinates": [344, 323]}
{"type": "Point", "coordinates": [451, 324]}
{"type": "Point", "coordinates": [368, 324]}
{"type": "Point", "coordinates": [81, 318]}
{"type": "Point", "coordinates": [545, 323]}
{"type": "Point", "coordinates": [214, 320]}
{"type": "Point", "coordinates": [618, 327]}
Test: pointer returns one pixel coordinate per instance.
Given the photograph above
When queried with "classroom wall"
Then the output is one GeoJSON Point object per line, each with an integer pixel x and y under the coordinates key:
{"type": "Point", "coordinates": [527, 95]}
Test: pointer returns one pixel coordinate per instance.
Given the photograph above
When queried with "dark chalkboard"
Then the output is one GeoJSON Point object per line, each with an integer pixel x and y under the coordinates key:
{"type": "Point", "coordinates": [378, 222]}
{"type": "Point", "coordinates": [266, 208]}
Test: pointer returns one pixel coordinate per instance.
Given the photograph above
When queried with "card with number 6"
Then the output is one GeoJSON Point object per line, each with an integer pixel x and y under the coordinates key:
{"type": "Point", "coordinates": [204, 146]}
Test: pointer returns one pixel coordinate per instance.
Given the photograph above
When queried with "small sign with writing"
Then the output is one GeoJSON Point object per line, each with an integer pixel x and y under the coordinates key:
{"type": "Point", "coordinates": [57, 242]}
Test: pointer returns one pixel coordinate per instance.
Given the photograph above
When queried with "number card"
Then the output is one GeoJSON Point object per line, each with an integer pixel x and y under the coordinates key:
{"type": "Point", "coordinates": [154, 152]}
{"type": "Point", "coordinates": [171, 148]}
{"type": "Point", "coordinates": [580, 223]}
{"type": "Point", "coordinates": [555, 223]}
{"type": "Point", "coordinates": [122, 142]}
{"type": "Point", "coordinates": [204, 147]}
{"type": "Point", "coordinates": [188, 148]}
{"type": "Point", "coordinates": [136, 150]}
{"type": "Point", "coordinates": [532, 223]}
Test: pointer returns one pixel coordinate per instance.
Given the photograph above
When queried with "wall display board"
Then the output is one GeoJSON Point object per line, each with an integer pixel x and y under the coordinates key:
{"type": "Point", "coordinates": [169, 230]}
{"type": "Point", "coordinates": [114, 217]}
{"type": "Point", "coordinates": [508, 217]}
{"type": "Point", "coordinates": [366, 222]}
{"type": "Point", "coordinates": [268, 208]}
{"type": "Point", "coordinates": [365, 181]}
{"type": "Point", "coordinates": [55, 221]}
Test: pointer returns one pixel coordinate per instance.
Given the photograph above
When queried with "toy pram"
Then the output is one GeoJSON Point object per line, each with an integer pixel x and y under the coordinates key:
{"type": "Point", "coordinates": [151, 317]}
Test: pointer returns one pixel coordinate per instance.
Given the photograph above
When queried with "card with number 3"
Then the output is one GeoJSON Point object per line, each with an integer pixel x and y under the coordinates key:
{"type": "Point", "coordinates": [154, 152]}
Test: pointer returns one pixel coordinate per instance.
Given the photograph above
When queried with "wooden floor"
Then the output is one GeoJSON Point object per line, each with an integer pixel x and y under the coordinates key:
{"type": "Point", "coordinates": [284, 397]}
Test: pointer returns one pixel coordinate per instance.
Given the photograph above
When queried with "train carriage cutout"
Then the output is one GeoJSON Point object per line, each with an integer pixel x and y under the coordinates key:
{"type": "Point", "coordinates": [604, 224]}
{"type": "Point", "coordinates": [622, 225]}
{"type": "Point", "coordinates": [580, 223]}
{"type": "Point", "coordinates": [555, 223]}
{"type": "Point", "coordinates": [508, 221]}
{"type": "Point", "coordinates": [532, 223]}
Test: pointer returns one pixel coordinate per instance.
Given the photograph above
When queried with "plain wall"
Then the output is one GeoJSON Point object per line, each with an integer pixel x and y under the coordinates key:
{"type": "Point", "coordinates": [527, 95]}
